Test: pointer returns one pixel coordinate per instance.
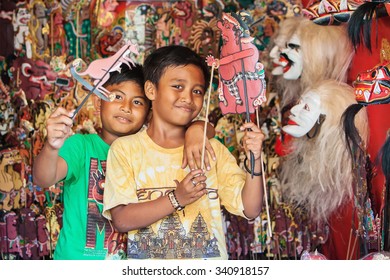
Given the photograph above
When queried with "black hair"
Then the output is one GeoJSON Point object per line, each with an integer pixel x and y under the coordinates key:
{"type": "Point", "coordinates": [133, 73]}
{"type": "Point", "coordinates": [352, 136]}
{"type": "Point", "coordinates": [359, 25]}
{"type": "Point", "coordinates": [159, 60]}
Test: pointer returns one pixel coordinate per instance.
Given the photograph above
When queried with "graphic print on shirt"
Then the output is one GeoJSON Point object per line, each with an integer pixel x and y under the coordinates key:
{"type": "Point", "coordinates": [114, 242]}
{"type": "Point", "coordinates": [96, 223]}
{"type": "Point", "coordinates": [171, 241]}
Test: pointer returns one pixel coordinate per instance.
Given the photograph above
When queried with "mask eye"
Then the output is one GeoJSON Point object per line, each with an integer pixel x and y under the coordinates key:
{"type": "Point", "coordinates": [293, 46]}
{"type": "Point", "coordinates": [26, 69]}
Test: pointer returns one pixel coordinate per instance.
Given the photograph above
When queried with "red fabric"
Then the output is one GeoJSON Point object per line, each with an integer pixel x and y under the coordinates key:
{"type": "Point", "coordinates": [378, 115]}
{"type": "Point", "coordinates": [281, 146]}
{"type": "Point", "coordinates": [379, 122]}
{"type": "Point", "coordinates": [341, 244]}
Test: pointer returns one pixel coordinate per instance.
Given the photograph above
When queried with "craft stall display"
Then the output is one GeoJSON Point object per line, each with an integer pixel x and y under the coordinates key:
{"type": "Point", "coordinates": [266, 56]}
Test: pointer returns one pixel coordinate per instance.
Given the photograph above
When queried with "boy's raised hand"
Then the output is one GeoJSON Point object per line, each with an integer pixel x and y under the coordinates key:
{"type": "Point", "coordinates": [193, 145]}
{"type": "Point", "coordinates": [252, 139]}
{"type": "Point", "coordinates": [59, 127]}
{"type": "Point", "coordinates": [191, 188]}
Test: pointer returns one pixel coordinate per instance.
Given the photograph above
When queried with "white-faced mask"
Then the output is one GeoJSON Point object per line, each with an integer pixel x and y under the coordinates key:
{"type": "Point", "coordinates": [304, 115]}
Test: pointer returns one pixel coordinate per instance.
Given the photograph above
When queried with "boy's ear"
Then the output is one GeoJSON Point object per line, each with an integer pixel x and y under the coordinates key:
{"type": "Point", "coordinates": [97, 102]}
{"type": "Point", "coordinates": [150, 90]}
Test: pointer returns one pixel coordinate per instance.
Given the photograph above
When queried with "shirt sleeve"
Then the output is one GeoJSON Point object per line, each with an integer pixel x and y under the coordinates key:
{"type": "Point", "coordinates": [73, 152]}
{"type": "Point", "coordinates": [120, 187]}
{"type": "Point", "coordinates": [231, 180]}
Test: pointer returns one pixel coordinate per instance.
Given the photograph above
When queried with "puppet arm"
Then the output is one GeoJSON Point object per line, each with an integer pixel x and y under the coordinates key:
{"type": "Point", "coordinates": [236, 56]}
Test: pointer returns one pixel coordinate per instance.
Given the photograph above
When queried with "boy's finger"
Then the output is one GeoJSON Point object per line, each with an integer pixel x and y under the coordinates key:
{"type": "Point", "coordinates": [193, 174]}
{"type": "Point", "coordinates": [61, 111]}
{"type": "Point", "coordinates": [191, 162]}
{"type": "Point", "coordinates": [206, 162]}
{"type": "Point", "coordinates": [184, 161]}
{"type": "Point", "coordinates": [250, 125]}
{"type": "Point", "coordinates": [197, 159]}
{"type": "Point", "coordinates": [210, 150]}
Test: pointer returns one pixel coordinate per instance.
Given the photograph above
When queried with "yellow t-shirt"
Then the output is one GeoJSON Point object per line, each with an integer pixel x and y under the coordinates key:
{"type": "Point", "coordinates": [139, 170]}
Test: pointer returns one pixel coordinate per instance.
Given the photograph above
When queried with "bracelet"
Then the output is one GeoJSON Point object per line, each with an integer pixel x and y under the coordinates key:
{"type": "Point", "coordinates": [249, 171]}
{"type": "Point", "coordinates": [174, 202]}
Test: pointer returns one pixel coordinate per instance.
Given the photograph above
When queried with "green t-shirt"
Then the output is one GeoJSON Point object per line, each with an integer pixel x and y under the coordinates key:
{"type": "Point", "coordinates": [84, 230]}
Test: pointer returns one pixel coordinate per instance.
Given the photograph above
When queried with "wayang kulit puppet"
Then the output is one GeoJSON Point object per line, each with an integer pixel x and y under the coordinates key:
{"type": "Point", "coordinates": [34, 77]}
{"type": "Point", "coordinates": [22, 41]}
{"type": "Point", "coordinates": [39, 30]}
{"type": "Point", "coordinates": [242, 86]}
{"type": "Point", "coordinates": [99, 71]}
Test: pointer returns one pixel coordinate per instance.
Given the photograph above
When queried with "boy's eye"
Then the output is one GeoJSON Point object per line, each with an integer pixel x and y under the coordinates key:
{"type": "Point", "coordinates": [138, 102]}
{"type": "Point", "coordinates": [197, 91]}
{"type": "Point", "coordinates": [306, 107]}
{"type": "Point", "coordinates": [118, 97]}
{"type": "Point", "coordinates": [177, 86]}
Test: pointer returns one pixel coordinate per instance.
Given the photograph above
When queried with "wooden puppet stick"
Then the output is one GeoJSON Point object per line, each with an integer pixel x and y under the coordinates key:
{"type": "Point", "coordinates": [349, 243]}
{"type": "Point", "coordinates": [52, 32]}
{"type": "Point", "coordinates": [353, 247]}
{"type": "Point", "coordinates": [264, 183]}
{"type": "Point", "coordinates": [207, 113]}
{"type": "Point", "coordinates": [77, 31]}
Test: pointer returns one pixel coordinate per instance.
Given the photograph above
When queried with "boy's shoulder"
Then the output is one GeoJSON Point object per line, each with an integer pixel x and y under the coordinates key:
{"type": "Point", "coordinates": [83, 137]}
{"type": "Point", "coordinates": [128, 138]}
{"type": "Point", "coordinates": [216, 143]}
{"type": "Point", "coordinates": [83, 140]}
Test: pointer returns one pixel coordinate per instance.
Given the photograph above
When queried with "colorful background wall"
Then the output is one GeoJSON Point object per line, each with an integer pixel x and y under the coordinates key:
{"type": "Point", "coordinates": [38, 42]}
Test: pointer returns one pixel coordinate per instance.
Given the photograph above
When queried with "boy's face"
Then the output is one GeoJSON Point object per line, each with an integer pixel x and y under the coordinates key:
{"type": "Point", "coordinates": [178, 98]}
{"type": "Point", "coordinates": [126, 114]}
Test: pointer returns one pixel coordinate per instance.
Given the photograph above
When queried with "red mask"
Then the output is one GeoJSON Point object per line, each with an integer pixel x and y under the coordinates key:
{"type": "Point", "coordinates": [373, 86]}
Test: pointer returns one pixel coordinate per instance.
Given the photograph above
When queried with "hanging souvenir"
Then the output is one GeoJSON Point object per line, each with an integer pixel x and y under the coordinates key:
{"type": "Point", "coordinates": [7, 8]}
{"type": "Point", "coordinates": [328, 12]}
{"type": "Point", "coordinates": [242, 85]}
{"type": "Point", "coordinates": [39, 30]}
{"type": "Point", "coordinates": [22, 39]}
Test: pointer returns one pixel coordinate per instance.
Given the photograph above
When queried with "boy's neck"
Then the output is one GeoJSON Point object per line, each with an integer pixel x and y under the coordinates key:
{"type": "Point", "coordinates": [166, 136]}
{"type": "Point", "coordinates": [107, 137]}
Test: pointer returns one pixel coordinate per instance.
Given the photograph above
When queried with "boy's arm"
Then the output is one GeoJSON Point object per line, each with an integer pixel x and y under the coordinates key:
{"type": "Point", "coordinates": [193, 145]}
{"type": "Point", "coordinates": [49, 167]}
{"type": "Point", "coordinates": [252, 193]}
{"type": "Point", "coordinates": [139, 215]}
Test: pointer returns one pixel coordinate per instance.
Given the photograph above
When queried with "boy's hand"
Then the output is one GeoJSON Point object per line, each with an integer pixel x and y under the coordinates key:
{"type": "Point", "coordinates": [191, 188]}
{"type": "Point", "coordinates": [252, 139]}
{"type": "Point", "coordinates": [59, 127]}
{"type": "Point", "coordinates": [193, 145]}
